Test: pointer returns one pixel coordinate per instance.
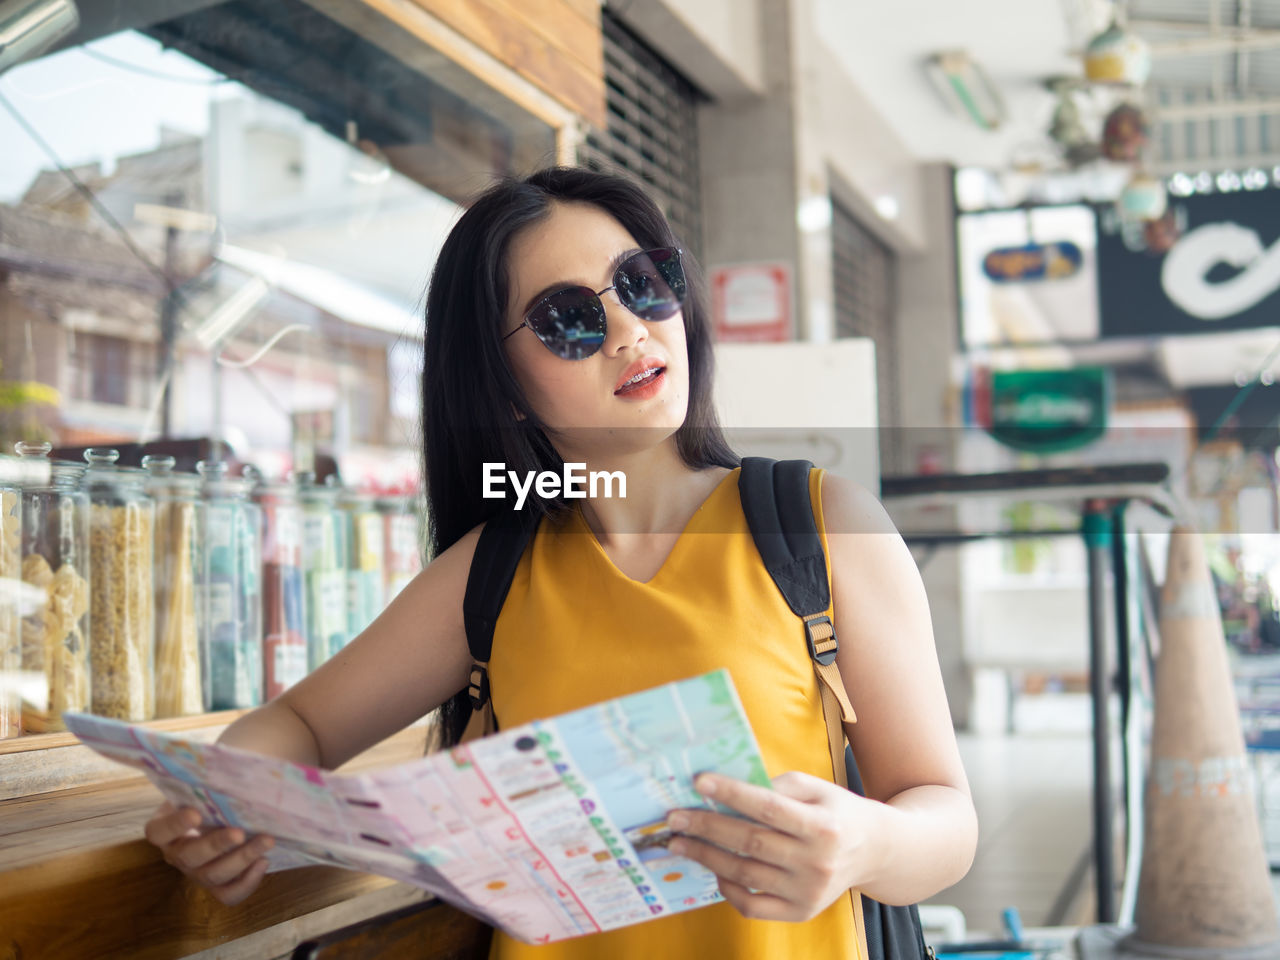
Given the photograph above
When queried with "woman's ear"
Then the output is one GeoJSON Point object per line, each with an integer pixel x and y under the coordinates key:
{"type": "Point", "coordinates": [516, 412]}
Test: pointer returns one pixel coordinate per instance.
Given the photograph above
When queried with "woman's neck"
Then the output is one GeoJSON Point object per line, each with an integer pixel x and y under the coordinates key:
{"type": "Point", "coordinates": [663, 492]}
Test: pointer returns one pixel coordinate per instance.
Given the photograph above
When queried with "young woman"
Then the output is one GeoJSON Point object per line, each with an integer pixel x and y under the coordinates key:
{"type": "Point", "coordinates": [564, 325]}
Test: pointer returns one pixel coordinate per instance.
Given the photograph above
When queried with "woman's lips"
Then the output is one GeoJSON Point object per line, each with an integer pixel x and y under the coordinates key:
{"type": "Point", "coordinates": [645, 388]}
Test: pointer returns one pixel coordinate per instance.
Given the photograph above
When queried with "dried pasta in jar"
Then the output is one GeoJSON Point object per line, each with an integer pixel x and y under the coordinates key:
{"type": "Point", "coordinates": [10, 631]}
{"type": "Point", "coordinates": [179, 674]}
{"type": "Point", "coordinates": [54, 572]}
{"type": "Point", "coordinates": [121, 651]}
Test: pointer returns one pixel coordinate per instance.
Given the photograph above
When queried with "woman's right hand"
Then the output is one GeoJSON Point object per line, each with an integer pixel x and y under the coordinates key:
{"type": "Point", "coordinates": [221, 859]}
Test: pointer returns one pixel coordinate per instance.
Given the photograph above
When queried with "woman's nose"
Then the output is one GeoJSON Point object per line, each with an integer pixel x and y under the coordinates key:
{"type": "Point", "coordinates": [622, 327]}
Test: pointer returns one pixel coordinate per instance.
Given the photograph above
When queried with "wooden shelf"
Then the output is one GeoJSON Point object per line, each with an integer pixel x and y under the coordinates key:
{"type": "Point", "coordinates": [45, 762]}
{"type": "Point", "coordinates": [44, 741]}
{"type": "Point", "coordinates": [78, 879]}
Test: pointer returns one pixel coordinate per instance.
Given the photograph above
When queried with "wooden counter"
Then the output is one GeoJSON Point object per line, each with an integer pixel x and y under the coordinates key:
{"type": "Point", "coordinates": [78, 880]}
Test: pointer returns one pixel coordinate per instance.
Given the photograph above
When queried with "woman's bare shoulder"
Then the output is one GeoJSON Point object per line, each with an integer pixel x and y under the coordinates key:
{"type": "Point", "coordinates": [849, 507]}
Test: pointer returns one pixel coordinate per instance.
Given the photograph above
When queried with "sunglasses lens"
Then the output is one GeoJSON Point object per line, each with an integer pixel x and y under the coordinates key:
{"type": "Point", "coordinates": [571, 323]}
{"type": "Point", "coordinates": [651, 284]}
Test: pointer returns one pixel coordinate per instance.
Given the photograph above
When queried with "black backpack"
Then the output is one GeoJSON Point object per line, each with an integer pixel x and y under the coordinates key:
{"type": "Point", "coordinates": [775, 499]}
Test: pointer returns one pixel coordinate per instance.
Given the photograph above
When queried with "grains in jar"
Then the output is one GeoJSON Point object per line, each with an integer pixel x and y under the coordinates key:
{"type": "Point", "coordinates": [178, 669]}
{"type": "Point", "coordinates": [10, 629]}
{"type": "Point", "coordinates": [121, 631]}
{"type": "Point", "coordinates": [54, 570]}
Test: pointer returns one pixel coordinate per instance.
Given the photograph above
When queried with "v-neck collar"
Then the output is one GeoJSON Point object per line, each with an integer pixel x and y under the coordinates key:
{"type": "Point", "coordinates": [666, 562]}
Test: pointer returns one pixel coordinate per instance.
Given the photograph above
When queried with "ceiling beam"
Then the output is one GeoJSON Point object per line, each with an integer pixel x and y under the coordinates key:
{"type": "Point", "coordinates": [1247, 107]}
{"type": "Point", "coordinates": [1226, 42]}
{"type": "Point", "coordinates": [1201, 40]}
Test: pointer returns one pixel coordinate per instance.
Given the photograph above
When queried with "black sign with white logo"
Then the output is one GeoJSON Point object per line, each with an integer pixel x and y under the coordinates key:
{"type": "Point", "coordinates": [1223, 273]}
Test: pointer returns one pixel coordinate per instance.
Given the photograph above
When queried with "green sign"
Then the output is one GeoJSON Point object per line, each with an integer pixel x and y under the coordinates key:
{"type": "Point", "coordinates": [1047, 411]}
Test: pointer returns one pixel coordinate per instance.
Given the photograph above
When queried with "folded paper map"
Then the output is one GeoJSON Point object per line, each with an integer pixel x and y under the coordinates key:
{"type": "Point", "coordinates": [550, 830]}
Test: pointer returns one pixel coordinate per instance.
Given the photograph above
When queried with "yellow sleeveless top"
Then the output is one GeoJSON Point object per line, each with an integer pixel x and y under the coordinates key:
{"type": "Point", "coordinates": [575, 630]}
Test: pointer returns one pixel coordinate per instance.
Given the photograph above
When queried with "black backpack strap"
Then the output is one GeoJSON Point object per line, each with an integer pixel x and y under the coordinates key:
{"type": "Point", "coordinates": [775, 498]}
{"type": "Point", "coordinates": [498, 551]}
{"type": "Point", "coordinates": [779, 512]}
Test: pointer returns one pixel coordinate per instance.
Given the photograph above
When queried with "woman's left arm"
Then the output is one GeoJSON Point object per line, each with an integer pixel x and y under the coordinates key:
{"type": "Point", "coordinates": [916, 831]}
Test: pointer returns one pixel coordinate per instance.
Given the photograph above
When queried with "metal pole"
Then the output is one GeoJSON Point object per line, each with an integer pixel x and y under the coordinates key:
{"type": "Point", "coordinates": [1120, 597]}
{"type": "Point", "coordinates": [1096, 529]}
{"type": "Point", "coordinates": [168, 324]}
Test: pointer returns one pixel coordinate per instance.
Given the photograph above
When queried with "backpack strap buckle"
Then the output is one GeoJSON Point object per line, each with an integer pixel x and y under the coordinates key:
{"type": "Point", "coordinates": [820, 635]}
{"type": "Point", "coordinates": [478, 689]}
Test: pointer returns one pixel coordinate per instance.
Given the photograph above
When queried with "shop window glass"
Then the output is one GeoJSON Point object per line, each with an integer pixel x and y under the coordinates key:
{"type": "Point", "coordinates": [249, 195]}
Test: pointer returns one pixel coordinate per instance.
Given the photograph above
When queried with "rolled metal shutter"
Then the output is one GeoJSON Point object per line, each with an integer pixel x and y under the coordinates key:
{"type": "Point", "coordinates": [865, 274]}
{"type": "Point", "coordinates": [652, 129]}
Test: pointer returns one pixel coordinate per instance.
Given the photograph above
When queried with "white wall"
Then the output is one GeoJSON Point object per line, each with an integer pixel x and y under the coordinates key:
{"type": "Point", "coordinates": [802, 400]}
{"type": "Point", "coordinates": [882, 48]}
{"type": "Point", "coordinates": [845, 131]}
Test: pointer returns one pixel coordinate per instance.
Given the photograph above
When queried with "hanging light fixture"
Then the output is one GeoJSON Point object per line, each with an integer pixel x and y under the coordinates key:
{"type": "Point", "coordinates": [1067, 129]}
{"type": "Point", "coordinates": [1117, 55]}
{"type": "Point", "coordinates": [1143, 199]}
{"type": "Point", "coordinates": [966, 88]}
{"type": "Point", "coordinates": [1124, 133]}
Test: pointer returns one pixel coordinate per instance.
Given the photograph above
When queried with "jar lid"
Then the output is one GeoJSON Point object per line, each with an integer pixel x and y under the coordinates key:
{"type": "Point", "coordinates": [217, 482]}
{"type": "Point", "coordinates": [280, 488]}
{"type": "Point", "coordinates": [161, 479]}
{"type": "Point", "coordinates": [32, 450]}
{"type": "Point", "coordinates": [101, 462]}
{"type": "Point", "coordinates": [36, 471]}
{"type": "Point", "coordinates": [353, 497]}
{"type": "Point", "coordinates": [103, 476]}
{"type": "Point", "coordinates": [311, 492]}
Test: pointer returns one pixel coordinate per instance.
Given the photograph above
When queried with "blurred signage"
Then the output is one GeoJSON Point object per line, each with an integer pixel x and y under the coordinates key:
{"type": "Point", "coordinates": [1042, 411]}
{"type": "Point", "coordinates": [1032, 262]}
{"type": "Point", "coordinates": [1223, 273]}
{"type": "Point", "coordinates": [1028, 275]}
{"type": "Point", "coordinates": [751, 302]}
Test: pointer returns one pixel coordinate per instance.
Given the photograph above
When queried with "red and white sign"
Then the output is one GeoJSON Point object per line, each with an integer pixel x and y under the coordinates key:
{"type": "Point", "coordinates": [751, 302]}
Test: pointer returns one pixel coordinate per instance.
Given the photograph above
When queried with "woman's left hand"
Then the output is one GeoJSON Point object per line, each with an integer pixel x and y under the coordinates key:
{"type": "Point", "coordinates": [807, 841]}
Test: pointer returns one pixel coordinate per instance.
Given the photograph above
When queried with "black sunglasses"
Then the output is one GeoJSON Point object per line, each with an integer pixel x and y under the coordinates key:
{"type": "Point", "coordinates": [571, 322]}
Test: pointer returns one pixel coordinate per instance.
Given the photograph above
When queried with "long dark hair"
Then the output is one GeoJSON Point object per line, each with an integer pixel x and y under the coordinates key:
{"type": "Point", "coordinates": [470, 395]}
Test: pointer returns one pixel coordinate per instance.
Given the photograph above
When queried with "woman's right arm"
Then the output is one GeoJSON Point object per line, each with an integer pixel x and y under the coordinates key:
{"type": "Point", "coordinates": [411, 659]}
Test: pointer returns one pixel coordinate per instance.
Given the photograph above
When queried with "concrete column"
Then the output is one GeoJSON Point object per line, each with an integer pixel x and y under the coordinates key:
{"type": "Point", "coordinates": [748, 161]}
{"type": "Point", "coordinates": [928, 324]}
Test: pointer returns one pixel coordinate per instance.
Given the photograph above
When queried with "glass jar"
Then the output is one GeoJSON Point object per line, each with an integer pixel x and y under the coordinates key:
{"type": "Point", "coordinates": [10, 588]}
{"type": "Point", "coordinates": [324, 569]}
{"type": "Point", "coordinates": [122, 596]}
{"type": "Point", "coordinates": [400, 538]}
{"type": "Point", "coordinates": [284, 625]}
{"type": "Point", "coordinates": [232, 587]}
{"type": "Point", "coordinates": [179, 687]}
{"type": "Point", "coordinates": [364, 560]}
{"type": "Point", "coordinates": [56, 595]}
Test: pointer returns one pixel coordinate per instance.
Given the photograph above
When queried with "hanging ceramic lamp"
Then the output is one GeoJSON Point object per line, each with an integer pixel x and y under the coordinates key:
{"type": "Point", "coordinates": [1124, 133]}
{"type": "Point", "coordinates": [1144, 198]}
{"type": "Point", "coordinates": [1117, 56]}
{"type": "Point", "coordinates": [1162, 233]}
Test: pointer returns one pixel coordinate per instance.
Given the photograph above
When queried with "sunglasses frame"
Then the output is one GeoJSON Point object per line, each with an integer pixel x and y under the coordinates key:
{"type": "Point", "coordinates": [598, 294]}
